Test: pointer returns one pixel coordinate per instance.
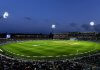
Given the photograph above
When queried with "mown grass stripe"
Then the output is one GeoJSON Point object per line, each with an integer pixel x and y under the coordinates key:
{"type": "Point", "coordinates": [49, 48]}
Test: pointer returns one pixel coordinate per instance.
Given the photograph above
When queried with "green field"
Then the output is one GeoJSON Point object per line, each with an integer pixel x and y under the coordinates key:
{"type": "Point", "coordinates": [49, 49]}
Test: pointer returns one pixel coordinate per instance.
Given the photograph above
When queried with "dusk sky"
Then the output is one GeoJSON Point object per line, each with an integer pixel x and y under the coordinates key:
{"type": "Point", "coordinates": [37, 16]}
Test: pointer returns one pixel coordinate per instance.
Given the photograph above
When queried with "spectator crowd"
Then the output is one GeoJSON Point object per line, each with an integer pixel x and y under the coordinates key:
{"type": "Point", "coordinates": [85, 63]}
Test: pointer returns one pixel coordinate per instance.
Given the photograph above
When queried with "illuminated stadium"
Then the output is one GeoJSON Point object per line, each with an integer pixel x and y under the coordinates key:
{"type": "Point", "coordinates": [49, 35]}
{"type": "Point", "coordinates": [69, 47]}
{"type": "Point", "coordinates": [48, 49]}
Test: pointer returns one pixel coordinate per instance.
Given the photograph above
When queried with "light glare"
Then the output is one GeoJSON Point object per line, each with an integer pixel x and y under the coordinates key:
{"type": "Point", "coordinates": [5, 15]}
{"type": "Point", "coordinates": [92, 23]}
{"type": "Point", "coordinates": [53, 26]}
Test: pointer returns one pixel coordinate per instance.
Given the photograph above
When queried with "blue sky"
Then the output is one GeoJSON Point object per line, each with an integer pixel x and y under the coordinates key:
{"type": "Point", "coordinates": [37, 16]}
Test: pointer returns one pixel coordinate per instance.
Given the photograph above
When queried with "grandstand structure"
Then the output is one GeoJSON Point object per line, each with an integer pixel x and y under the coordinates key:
{"type": "Point", "coordinates": [67, 36]}
{"type": "Point", "coordinates": [78, 35]}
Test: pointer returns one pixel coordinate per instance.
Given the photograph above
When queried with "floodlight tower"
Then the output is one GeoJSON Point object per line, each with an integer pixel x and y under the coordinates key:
{"type": "Point", "coordinates": [5, 16]}
{"type": "Point", "coordinates": [92, 24]}
{"type": "Point", "coordinates": [53, 28]}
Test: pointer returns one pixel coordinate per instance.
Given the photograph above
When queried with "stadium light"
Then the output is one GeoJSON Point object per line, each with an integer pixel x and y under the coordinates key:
{"type": "Point", "coordinates": [92, 24]}
{"type": "Point", "coordinates": [5, 15]}
{"type": "Point", "coordinates": [53, 27]}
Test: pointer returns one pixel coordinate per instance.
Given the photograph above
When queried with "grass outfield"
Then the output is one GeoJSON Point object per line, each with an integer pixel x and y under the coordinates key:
{"type": "Point", "coordinates": [48, 49]}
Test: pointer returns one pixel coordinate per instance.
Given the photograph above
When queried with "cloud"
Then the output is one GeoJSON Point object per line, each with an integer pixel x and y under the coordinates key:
{"type": "Point", "coordinates": [86, 27]}
{"type": "Point", "coordinates": [28, 18]}
{"type": "Point", "coordinates": [73, 24]}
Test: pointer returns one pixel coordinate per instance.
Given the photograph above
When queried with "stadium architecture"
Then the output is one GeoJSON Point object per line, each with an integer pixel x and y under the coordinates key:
{"type": "Point", "coordinates": [67, 36]}
{"type": "Point", "coordinates": [54, 51]}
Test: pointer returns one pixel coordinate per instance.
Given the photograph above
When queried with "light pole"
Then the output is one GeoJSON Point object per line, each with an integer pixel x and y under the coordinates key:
{"type": "Point", "coordinates": [53, 28]}
{"type": "Point", "coordinates": [5, 16]}
{"type": "Point", "coordinates": [92, 26]}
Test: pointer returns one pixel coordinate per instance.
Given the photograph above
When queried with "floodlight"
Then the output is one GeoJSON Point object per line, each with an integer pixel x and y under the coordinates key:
{"type": "Point", "coordinates": [53, 26]}
{"type": "Point", "coordinates": [92, 23]}
{"type": "Point", "coordinates": [5, 15]}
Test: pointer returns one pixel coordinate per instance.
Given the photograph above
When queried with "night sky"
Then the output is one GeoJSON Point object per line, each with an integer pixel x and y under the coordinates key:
{"type": "Point", "coordinates": [37, 16]}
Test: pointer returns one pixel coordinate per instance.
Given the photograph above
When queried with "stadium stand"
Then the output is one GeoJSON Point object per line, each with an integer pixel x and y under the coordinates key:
{"type": "Point", "coordinates": [85, 63]}
{"type": "Point", "coordinates": [30, 36]}
{"type": "Point", "coordinates": [78, 35]}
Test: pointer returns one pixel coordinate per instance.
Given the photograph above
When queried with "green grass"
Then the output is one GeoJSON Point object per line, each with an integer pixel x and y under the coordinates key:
{"type": "Point", "coordinates": [49, 49]}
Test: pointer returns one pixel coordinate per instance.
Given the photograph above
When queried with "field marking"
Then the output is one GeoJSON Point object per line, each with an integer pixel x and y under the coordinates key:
{"type": "Point", "coordinates": [42, 56]}
{"type": "Point", "coordinates": [22, 55]}
{"type": "Point", "coordinates": [58, 56]}
{"type": "Point", "coordinates": [35, 45]}
{"type": "Point", "coordinates": [51, 56]}
{"type": "Point", "coordinates": [34, 56]}
{"type": "Point", "coordinates": [64, 55]}
{"type": "Point", "coordinates": [19, 43]}
{"type": "Point", "coordinates": [73, 43]}
{"type": "Point", "coordinates": [17, 54]}
{"type": "Point", "coordinates": [28, 56]}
